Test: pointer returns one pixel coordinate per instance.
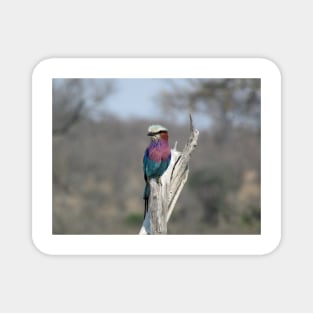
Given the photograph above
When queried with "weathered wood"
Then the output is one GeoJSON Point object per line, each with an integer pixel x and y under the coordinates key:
{"type": "Point", "coordinates": [164, 196]}
{"type": "Point", "coordinates": [158, 209]}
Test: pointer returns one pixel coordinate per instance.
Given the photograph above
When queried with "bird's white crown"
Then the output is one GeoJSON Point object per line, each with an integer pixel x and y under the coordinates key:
{"type": "Point", "coordinates": [156, 128]}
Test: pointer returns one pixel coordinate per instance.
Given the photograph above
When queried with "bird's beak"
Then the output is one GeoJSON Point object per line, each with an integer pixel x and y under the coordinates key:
{"type": "Point", "coordinates": [150, 134]}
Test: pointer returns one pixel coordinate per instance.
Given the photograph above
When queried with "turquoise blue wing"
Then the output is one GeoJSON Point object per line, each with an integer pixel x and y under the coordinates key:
{"type": "Point", "coordinates": [164, 165]}
{"type": "Point", "coordinates": [150, 167]}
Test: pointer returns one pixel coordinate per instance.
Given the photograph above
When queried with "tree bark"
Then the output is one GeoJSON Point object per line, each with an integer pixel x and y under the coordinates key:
{"type": "Point", "coordinates": [164, 196]}
{"type": "Point", "coordinates": [158, 209]}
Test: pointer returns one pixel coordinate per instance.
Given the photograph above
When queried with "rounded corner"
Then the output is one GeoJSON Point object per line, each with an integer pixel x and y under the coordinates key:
{"type": "Point", "coordinates": [41, 65]}
{"type": "Point", "coordinates": [38, 247]}
{"type": "Point", "coordinates": [272, 65]}
{"type": "Point", "coordinates": [273, 247]}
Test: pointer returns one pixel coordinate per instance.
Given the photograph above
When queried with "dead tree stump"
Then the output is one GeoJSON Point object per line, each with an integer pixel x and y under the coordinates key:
{"type": "Point", "coordinates": [163, 197]}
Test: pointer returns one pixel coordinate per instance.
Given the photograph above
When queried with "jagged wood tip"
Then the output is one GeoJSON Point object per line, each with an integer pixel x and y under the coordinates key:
{"type": "Point", "coordinates": [191, 123]}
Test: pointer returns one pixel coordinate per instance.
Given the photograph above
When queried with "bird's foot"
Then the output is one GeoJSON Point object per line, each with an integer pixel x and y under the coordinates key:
{"type": "Point", "coordinates": [158, 180]}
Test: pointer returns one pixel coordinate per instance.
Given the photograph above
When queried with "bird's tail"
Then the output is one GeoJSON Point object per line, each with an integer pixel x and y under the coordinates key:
{"type": "Point", "coordinates": [146, 196]}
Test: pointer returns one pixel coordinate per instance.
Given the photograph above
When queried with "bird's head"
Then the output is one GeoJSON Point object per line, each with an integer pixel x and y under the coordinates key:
{"type": "Point", "coordinates": [157, 131]}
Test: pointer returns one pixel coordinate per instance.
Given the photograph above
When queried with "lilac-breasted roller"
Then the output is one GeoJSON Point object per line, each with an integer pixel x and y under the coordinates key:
{"type": "Point", "coordinates": [156, 159]}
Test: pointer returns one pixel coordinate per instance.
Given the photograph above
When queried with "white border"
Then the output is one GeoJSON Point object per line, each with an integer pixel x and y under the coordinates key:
{"type": "Point", "coordinates": [48, 69]}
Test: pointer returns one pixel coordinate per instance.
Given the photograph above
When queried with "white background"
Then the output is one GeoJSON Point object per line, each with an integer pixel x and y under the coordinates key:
{"type": "Point", "coordinates": [31, 31]}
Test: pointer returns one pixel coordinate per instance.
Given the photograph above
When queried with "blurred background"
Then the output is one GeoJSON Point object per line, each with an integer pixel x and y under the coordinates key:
{"type": "Point", "coordinates": [99, 138]}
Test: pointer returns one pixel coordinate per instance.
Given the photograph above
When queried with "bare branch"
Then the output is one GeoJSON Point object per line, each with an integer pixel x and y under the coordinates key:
{"type": "Point", "coordinates": [191, 123]}
{"type": "Point", "coordinates": [158, 209]}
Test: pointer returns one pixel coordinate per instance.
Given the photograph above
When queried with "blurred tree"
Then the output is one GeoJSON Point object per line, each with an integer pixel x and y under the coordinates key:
{"type": "Point", "coordinates": [227, 103]}
{"type": "Point", "coordinates": [75, 98]}
{"type": "Point", "coordinates": [212, 187]}
{"type": "Point", "coordinates": [232, 110]}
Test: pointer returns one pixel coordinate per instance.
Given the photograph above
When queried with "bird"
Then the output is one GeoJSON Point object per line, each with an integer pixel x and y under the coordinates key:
{"type": "Point", "coordinates": [156, 159]}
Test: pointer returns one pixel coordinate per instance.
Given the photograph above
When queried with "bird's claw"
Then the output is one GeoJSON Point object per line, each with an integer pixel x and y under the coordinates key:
{"type": "Point", "coordinates": [159, 181]}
